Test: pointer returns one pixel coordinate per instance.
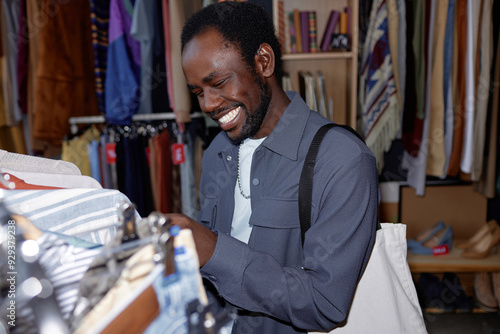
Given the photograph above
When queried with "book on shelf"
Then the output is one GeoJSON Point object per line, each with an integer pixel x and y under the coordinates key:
{"type": "Point", "coordinates": [281, 24]}
{"type": "Point", "coordinates": [343, 23]}
{"type": "Point", "coordinates": [287, 83]}
{"type": "Point", "coordinates": [298, 29]}
{"type": "Point", "coordinates": [304, 30]}
{"type": "Point", "coordinates": [321, 92]}
{"type": "Point", "coordinates": [331, 25]}
{"type": "Point", "coordinates": [313, 32]}
{"type": "Point", "coordinates": [293, 35]}
{"type": "Point", "coordinates": [307, 89]}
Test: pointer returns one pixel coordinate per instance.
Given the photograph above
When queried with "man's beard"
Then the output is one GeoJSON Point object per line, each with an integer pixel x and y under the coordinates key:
{"type": "Point", "coordinates": [254, 121]}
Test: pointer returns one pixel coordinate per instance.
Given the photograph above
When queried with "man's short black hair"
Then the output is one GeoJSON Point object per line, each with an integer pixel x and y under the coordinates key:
{"type": "Point", "coordinates": [245, 24]}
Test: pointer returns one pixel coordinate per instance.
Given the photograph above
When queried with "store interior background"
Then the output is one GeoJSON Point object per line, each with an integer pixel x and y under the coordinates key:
{"type": "Point", "coordinates": [452, 199]}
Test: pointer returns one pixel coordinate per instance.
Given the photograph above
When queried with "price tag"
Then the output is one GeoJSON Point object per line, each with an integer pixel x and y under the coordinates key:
{"type": "Point", "coordinates": [111, 153]}
{"type": "Point", "coordinates": [440, 250]}
{"type": "Point", "coordinates": [178, 154]}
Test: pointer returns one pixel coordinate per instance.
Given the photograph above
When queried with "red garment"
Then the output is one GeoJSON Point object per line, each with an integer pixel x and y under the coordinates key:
{"type": "Point", "coordinates": [164, 171]}
{"type": "Point", "coordinates": [21, 185]}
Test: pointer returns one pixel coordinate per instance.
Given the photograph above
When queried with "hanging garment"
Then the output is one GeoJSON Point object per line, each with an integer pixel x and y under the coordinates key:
{"type": "Point", "coordinates": [402, 69]}
{"type": "Point", "coordinates": [483, 88]}
{"type": "Point", "coordinates": [413, 121]}
{"type": "Point", "coordinates": [377, 87]}
{"type": "Point", "coordinates": [164, 171]}
{"type": "Point", "coordinates": [7, 87]}
{"type": "Point", "coordinates": [76, 151]}
{"type": "Point", "coordinates": [458, 134]}
{"type": "Point", "coordinates": [488, 182]}
{"type": "Point", "coordinates": [11, 14]}
{"type": "Point", "coordinates": [473, 11]}
{"type": "Point", "coordinates": [40, 147]}
{"type": "Point", "coordinates": [416, 166]}
{"type": "Point", "coordinates": [122, 91]}
{"type": "Point", "coordinates": [435, 143]}
{"type": "Point", "coordinates": [22, 59]}
{"type": "Point", "coordinates": [133, 172]}
{"type": "Point", "coordinates": [100, 24]}
{"type": "Point", "coordinates": [448, 85]}
{"type": "Point", "coordinates": [143, 29]}
{"type": "Point", "coordinates": [65, 79]}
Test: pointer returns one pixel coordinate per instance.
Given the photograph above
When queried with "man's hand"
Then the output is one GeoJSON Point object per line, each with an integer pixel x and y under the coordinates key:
{"type": "Point", "coordinates": [204, 239]}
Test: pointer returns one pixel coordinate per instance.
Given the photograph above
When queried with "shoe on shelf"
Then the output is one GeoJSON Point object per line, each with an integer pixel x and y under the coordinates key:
{"type": "Point", "coordinates": [432, 295]}
{"type": "Point", "coordinates": [495, 279]}
{"type": "Point", "coordinates": [483, 290]}
{"type": "Point", "coordinates": [482, 247]}
{"type": "Point", "coordinates": [486, 228]}
{"type": "Point", "coordinates": [454, 293]}
{"type": "Point", "coordinates": [435, 235]}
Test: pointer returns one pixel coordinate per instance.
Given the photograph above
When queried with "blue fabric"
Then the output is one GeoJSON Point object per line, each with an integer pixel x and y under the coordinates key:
{"type": "Point", "coordinates": [289, 289]}
{"type": "Point", "coordinates": [448, 52]}
{"type": "Point", "coordinates": [95, 162]}
{"type": "Point", "coordinates": [122, 84]}
{"type": "Point", "coordinates": [173, 293]}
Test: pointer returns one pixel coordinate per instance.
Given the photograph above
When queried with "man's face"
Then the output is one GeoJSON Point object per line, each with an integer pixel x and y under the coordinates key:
{"type": "Point", "coordinates": [233, 95]}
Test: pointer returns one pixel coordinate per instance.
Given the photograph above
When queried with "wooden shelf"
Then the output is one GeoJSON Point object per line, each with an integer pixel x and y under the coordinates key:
{"type": "Point", "coordinates": [318, 55]}
{"type": "Point", "coordinates": [453, 262]}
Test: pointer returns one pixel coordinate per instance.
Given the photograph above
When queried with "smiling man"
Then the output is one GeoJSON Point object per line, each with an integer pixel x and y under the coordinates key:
{"type": "Point", "coordinates": [248, 231]}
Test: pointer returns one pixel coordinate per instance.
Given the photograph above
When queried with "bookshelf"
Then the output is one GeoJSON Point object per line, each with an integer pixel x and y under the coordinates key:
{"type": "Point", "coordinates": [339, 67]}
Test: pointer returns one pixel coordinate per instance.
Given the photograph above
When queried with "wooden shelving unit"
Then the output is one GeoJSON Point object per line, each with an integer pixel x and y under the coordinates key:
{"type": "Point", "coordinates": [454, 262]}
{"type": "Point", "coordinates": [340, 69]}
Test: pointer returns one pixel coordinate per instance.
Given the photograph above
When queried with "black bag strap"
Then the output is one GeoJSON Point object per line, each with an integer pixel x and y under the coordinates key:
{"type": "Point", "coordinates": [306, 176]}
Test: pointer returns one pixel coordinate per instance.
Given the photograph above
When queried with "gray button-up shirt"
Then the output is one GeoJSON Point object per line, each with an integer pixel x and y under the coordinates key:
{"type": "Point", "coordinates": [280, 287]}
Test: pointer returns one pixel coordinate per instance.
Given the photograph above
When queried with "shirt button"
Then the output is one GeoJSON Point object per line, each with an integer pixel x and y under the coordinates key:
{"type": "Point", "coordinates": [229, 158]}
{"type": "Point", "coordinates": [212, 278]}
{"type": "Point", "coordinates": [255, 182]}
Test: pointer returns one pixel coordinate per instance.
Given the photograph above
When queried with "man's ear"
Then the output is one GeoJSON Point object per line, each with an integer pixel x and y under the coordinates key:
{"type": "Point", "coordinates": [264, 60]}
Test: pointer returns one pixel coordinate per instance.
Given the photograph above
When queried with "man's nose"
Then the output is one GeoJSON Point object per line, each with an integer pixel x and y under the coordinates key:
{"type": "Point", "coordinates": [212, 101]}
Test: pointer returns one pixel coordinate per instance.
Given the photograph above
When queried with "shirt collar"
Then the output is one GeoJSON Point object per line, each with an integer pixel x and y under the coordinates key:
{"type": "Point", "coordinates": [286, 135]}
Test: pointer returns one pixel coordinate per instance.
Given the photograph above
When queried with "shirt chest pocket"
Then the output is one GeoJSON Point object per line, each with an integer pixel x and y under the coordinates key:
{"type": "Point", "coordinates": [276, 213]}
{"type": "Point", "coordinates": [208, 213]}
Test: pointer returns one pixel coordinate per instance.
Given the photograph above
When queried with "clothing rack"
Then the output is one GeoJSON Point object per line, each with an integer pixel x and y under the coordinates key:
{"type": "Point", "coordinates": [73, 121]}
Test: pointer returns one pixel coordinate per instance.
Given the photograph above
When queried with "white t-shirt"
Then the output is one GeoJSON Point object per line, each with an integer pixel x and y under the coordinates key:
{"type": "Point", "coordinates": [240, 227]}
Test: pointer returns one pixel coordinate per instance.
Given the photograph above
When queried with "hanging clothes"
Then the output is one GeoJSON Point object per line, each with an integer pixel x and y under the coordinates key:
{"type": "Point", "coordinates": [65, 79]}
{"type": "Point", "coordinates": [483, 88]}
{"type": "Point", "coordinates": [11, 15]}
{"type": "Point", "coordinates": [378, 91]}
{"type": "Point", "coordinates": [448, 83]}
{"type": "Point", "coordinates": [143, 29]}
{"type": "Point", "coordinates": [100, 25]}
{"type": "Point", "coordinates": [459, 100]}
{"type": "Point", "coordinates": [122, 91]}
{"type": "Point", "coordinates": [435, 156]}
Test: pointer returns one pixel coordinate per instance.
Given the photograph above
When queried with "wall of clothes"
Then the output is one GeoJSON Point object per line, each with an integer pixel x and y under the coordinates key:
{"type": "Point", "coordinates": [429, 89]}
{"type": "Point", "coordinates": [62, 59]}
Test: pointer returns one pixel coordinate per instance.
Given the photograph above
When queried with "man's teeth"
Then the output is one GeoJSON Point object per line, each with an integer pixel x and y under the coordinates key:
{"type": "Point", "coordinates": [230, 116]}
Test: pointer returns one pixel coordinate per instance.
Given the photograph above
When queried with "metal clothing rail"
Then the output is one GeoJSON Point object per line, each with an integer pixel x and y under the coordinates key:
{"type": "Point", "coordinates": [136, 117]}
{"type": "Point", "coordinates": [73, 121]}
